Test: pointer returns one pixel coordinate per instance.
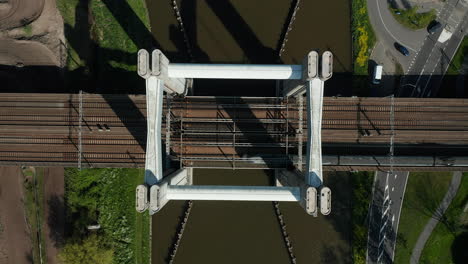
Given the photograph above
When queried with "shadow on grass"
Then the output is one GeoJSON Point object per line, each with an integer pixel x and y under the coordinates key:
{"type": "Point", "coordinates": [459, 252]}
{"type": "Point", "coordinates": [56, 220]}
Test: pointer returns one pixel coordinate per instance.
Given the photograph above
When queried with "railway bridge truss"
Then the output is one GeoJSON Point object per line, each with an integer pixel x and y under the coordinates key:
{"type": "Point", "coordinates": [297, 134]}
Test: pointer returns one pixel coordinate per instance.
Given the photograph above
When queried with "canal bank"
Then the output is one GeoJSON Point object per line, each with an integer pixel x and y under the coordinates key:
{"type": "Point", "coordinates": [249, 32]}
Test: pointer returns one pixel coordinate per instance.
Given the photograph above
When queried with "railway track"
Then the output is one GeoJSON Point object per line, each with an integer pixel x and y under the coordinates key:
{"type": "Point", "coordinates": [43, 128]}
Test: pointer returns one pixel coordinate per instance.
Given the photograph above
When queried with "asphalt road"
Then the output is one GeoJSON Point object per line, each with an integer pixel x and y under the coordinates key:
{"type": "Point", "coordinates": [384, 215]}
{"type": "Point", "coordinates": [389, 32]}
{"type": "Point", "coordinates": [428, 66]}
{"type": "Point", "coordinates": [427, 59]}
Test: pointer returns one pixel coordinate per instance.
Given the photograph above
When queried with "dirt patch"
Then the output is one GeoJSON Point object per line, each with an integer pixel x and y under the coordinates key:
{"type": "Point", "coordinates": [17, 13]}
{"type": "Point", "coordinates": [15, 242]}
{"type": "Point", "coordinates": [45, 28]}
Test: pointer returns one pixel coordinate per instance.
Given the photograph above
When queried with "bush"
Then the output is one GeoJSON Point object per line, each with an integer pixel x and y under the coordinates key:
{"type": "Point", "coordinates": [89, 251]}
{"type": "Point", "coordinates": [363, 37]}
{"type": "Point", "coordinates": [107, 196]}
{"type": "Point", "coordinates": [410, 18]}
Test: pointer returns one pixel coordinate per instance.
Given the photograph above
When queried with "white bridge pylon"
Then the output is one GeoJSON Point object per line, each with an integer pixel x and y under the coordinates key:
{"type": "Point", "coordinates": [300, 186]}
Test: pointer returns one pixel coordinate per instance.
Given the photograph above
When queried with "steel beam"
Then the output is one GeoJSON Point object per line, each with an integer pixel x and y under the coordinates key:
{"type": "Point", "coordinates": [159, 68]}
{"type": "Point", "coordinates": [233, 193]}
{"type": "Point", "coordinates": [154, 106]}
{"type": "Point", "coordinates": [235, 71]}
{"type": "Point", "coordinates": [314, 142]}
{"type": "Point", "coordinates": [159, 192]}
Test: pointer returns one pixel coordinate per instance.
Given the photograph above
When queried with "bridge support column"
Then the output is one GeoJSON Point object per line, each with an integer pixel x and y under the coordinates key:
{"type": "Point", "coordinates": [154, 108]}
{"type": "Point", "coordinates": [159, 193]}
{"type": "Point", "coordinates": [314, 73]}
{"type": "Point", "coordinates": [313, 169]}
{"type": "Point", "coordinates": [157, 81]}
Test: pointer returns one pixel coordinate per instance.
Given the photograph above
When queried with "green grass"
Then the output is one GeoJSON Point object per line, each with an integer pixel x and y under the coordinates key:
{"type": "Point", "coordinates": [68, 10]}
{"type": "Point", "coordinates": [438, 248]}
{"type": "Point", "coordinates": [107, 196]}
{"type": "Point", "coordinates": [28, 30]}
{"type": "Point", "coordinates": [399, 69]}
{"type": "Point", "coordinates": [411, 19]}
{"type": "Point", "coordinates": [33, 202]}
{"type": "Point", "coordinates": [460, 56]}
{"type": "Point", "coordinates": [362, 191]}
{"type": "Point", "coordinates": [363, 37]}
{"type": "Point", "coordinates": [424, 192]}
{"type": "Point", "coordinates": [103, 39]}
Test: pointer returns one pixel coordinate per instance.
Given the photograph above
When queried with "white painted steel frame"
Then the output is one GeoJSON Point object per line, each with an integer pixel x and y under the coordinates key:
{"type": "Point", "coordinates": [154, 106]}
{"type": "Point", "coordinates": [314, 123]}
{"type": "Point", "coordinates": [235, 71]}
{"type": "Point", "coordinates": [158, 192]}
{"type": "Point", "coordinates": [233, 193]}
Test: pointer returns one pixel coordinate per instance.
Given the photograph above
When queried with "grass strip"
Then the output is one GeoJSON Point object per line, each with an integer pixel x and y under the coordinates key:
{"type": "Point", "coordinates": [33, 202]}
{"type": "Point", "coordinates": [411, 19]}
{"type": "Point", "coordinates": [424, 192]}
{"type": "Point", "coordinates": [447, 243]}
{"type": "Point", "coordinates": [107, 197]}
{"type": "Point", "coordinates": [103, 38]}
{"type": "Point", "coordinates": [457, 61]}
{"type": "Point", "coordinates": [363, 36]}
{"type": "Point", "coordinates": [362, 195]}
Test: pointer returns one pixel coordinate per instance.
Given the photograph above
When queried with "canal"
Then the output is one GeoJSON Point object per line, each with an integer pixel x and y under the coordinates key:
{"type": "Point", "coordinates": [245, 31]}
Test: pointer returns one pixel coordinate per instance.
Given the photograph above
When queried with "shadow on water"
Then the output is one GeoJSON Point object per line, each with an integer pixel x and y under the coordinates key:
{"type": "Point", "coordinates": [334, 254]}
{"type": "Point", "coordinates": [341, 202]}
{"type": "Point", "coordinates": [247, 40]}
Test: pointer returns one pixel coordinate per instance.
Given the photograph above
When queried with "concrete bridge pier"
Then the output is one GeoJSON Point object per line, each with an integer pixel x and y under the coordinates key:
{"type": "Point", "coordinates": [159, 193]}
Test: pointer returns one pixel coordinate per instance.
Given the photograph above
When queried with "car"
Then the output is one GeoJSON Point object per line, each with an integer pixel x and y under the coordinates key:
{"type": "Point", "coordinates": [402, 49]}
{"type": "Point", "coordinates": [433, 27]}
{"type": "Point", "coordinates": [377, 74]}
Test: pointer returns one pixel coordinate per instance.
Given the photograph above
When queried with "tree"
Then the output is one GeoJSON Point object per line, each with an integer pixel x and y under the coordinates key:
{"type": "Point", "coordinates": [88, 251]}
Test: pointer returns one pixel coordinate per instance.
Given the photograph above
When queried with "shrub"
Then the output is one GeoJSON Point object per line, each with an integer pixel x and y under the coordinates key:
{"type": "Point", "coordinates": [89, 251]}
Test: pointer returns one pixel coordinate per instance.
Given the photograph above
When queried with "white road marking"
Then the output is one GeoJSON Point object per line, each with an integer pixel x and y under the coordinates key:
{"type": "Point", "coordinates": [386, 211]}
{"type": "Point", "coordinates": [383, 227]}
{"type": "Point", "coordinates": [393, 189]}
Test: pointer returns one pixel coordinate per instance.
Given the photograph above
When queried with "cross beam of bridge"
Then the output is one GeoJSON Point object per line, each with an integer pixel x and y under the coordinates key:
{"type": "Point", "coordinates": [173, 79]}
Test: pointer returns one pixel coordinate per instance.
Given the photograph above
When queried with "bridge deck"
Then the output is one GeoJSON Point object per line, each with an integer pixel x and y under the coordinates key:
{"type": "Point", "coordinates": [222, 131]}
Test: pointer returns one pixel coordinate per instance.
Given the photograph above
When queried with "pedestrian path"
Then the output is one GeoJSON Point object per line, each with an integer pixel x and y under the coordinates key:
{"type": "Point", "coordinates": [436, 216]}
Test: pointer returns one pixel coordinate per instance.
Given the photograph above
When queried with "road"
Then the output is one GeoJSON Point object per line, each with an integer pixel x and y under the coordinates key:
{"type": "Point", "coordinates": [384, 215]}
{"type": "Point", "coordinates": [424, 69]}
{"type": "Point", "coordinates": [428, 66]}
{"type": "Point", "coordinates": [389, 31]}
